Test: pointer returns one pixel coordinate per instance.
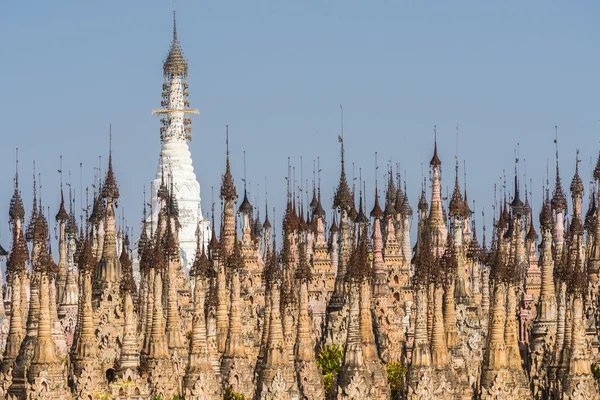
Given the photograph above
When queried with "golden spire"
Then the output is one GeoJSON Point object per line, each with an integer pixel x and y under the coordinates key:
{"type": "Point", "coordinates": [175, 63]}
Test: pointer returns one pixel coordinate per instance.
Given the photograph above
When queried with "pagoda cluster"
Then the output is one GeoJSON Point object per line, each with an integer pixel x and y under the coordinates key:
{"type": "Point", "coordinates": [459, 320]}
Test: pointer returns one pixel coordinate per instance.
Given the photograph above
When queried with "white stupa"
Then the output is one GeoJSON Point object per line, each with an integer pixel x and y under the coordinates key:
{"type": "Point", "coordinates": [175, 160]}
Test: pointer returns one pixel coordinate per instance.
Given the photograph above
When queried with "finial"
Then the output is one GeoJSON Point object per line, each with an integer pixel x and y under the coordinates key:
{"type": "Point", "coordinates": [456, 140]}
{"type": "Point", "coordinates": [17, 167]}
{"type": "Point", "coordinates": [342, 124]}
{"type": "Point", "coordinates": [319, 176]}
{"type": "Point", "coordinates": [34, 189]}
{"type": "Point", "coordinates": [435, 160]}
{"type": "Point", "coordinates": [145, 211]}
{"type": "Point", "coordinates": [227, 141]}
{"type": "Point", "coordinates": [87, 207]}
{"type": "Point", "coordinates": [60, 172]}
{"type": "Point", "coordinates": [288, 178]}
{"type": "Point", "coordinates": [81, 189]}
{"type": "Point", "coordinates": [376, 169]}
{"type": "Point", "coordinates": [301, 177]}
{"type": "Point", "coordinates": [360, 181]}
{"type": "Point", "coordinates": [244, 171]}
{"type": "Point", "coordinates": [174, 22]}
{"type": "Point", "coordinates": [556, 141]}
{"type": "Point", "coordinates": [353, 182]}
{"type": "Point", "coordinates": [465, 173]}
{"type": "Point", "coordinates": [576, 183]}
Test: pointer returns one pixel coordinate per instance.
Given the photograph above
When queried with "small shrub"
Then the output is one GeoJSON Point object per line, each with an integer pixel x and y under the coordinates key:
{"type": "Point", "coordinates": [596, 371]}
{"type": "Point", "coordinates": [396, 371]}
{"type": "Point", "coordinates": [99, 395]}
{"type": "Point", "coordinates": [330, 360]}
{"type": "Point", "coordinates": [231, 394]}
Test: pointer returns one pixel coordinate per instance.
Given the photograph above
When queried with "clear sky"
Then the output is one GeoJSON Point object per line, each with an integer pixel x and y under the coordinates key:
{"type": "Point", "coordinates": [277, 71]}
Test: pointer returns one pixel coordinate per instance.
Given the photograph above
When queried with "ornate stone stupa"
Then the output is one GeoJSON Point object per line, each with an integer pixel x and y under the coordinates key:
{"type": "Point", "coordinates": [175, 160]}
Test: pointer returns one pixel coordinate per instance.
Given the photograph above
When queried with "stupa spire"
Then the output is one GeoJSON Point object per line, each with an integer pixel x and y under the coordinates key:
{"type": "Point", "coordinates": [86, 363]}
{"type": "Point", "coordinates": [175, 158]}
{"type": "Point", "coordinates": [200, 380]}
{"type": "Point", "coordinates": [62, 217]}
{"type": "Point", "coordinates": [175, 63]}
{"type": "Point", "coordinates": [236, 368]}
{"type": "Point", "coordinates": [342, 198]}
{"type": "Point", "coordinates": [228, 196]}
{"type": "Point", "coordinates": [436, 214]}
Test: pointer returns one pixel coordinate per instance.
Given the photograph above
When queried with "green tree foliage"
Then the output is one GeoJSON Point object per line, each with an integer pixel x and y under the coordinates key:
{"type": "Point", "coordinates": [396, 371]}
{"type": "Point", "coordinates": [231, 394]}
{"type": "Point", "coordinates": [596, 371]}
{"type": "Point", "coordinates": [329, 361]}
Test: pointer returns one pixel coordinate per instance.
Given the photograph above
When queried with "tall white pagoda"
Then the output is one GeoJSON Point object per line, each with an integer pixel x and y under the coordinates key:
{"type": "Point", "coordinates": [175, 169]}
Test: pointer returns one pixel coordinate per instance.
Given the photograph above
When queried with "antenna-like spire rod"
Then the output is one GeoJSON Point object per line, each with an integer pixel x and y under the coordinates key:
{"type": "Point", "coordinates": [227, 141]}
{"type": "Point", "coordinates": [495, 200]}
{"type": "Point", "coordinates": [319, 175]}
{"type": "Point", "coordinates": [40, 190]}
{"type": "Point", "coordinates": [244, 171]}
{"type": "Point", "coordinates": [314, 173]}
{"type": "Point", "coordinates": [483, 218]}
{"type": "Point", "coordinates": [294, 184]}
{"type": "Point", "coordinates": [360, 181]}
{"type": "Point", "coordinates": [257, 197]}
{"type": "Point", "coordinates": [376, 169]}
{"type": "Point", "coordinates": [342, 124]}
{"type": "Point", "coordinates": [457, 140]}
{"type": "Point", "coordinates": [174, 22]}
{"type": "Point", "coordinates": [365, 192]}
{"type": "Point", "coordinates": [288, 179]}
{"type": "Point", "coordinates": [465, 173]}
{"type": "Point", "coordinates": [17, 166]}
{"type": "Point", "coordinates": [81, 187]}
{"type": "Point", "coordinates": [60, 172]}
{"type": "Point", "coordinates": [531, 190]}
{"type": "Point", "coordinates": [556, 141]}
{"type": "Point", "coordinates": [301, 176]}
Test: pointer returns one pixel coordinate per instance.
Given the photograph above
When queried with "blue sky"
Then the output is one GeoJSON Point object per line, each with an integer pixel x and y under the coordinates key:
{"type": "Point", "coordinates": [276, 72]}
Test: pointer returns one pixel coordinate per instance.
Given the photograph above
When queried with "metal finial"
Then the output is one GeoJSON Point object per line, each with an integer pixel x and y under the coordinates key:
{"type": "Point", "coordinates": [17, 168]}
{"type": "Point", "coordinates": [456, 140]}
{"type": "Point", "coordinates": [288, 178]}
{"type": "Point", "coordinates": [301, 175]}
{"type": "Point", "coordinates": [556, 140]}
{"type": "Point", "coordinates": [465, 173]}
{"type": "Point", "coordinates": [319, 175]}
{"type": "Point", "coordinates": [342, 124]}
{"type": "Point", "coordinates": [376, 169]}
{"type": "Point", "coordinates": [174, 22]}
{"type": "Point", "coordinates": [244, 170]}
